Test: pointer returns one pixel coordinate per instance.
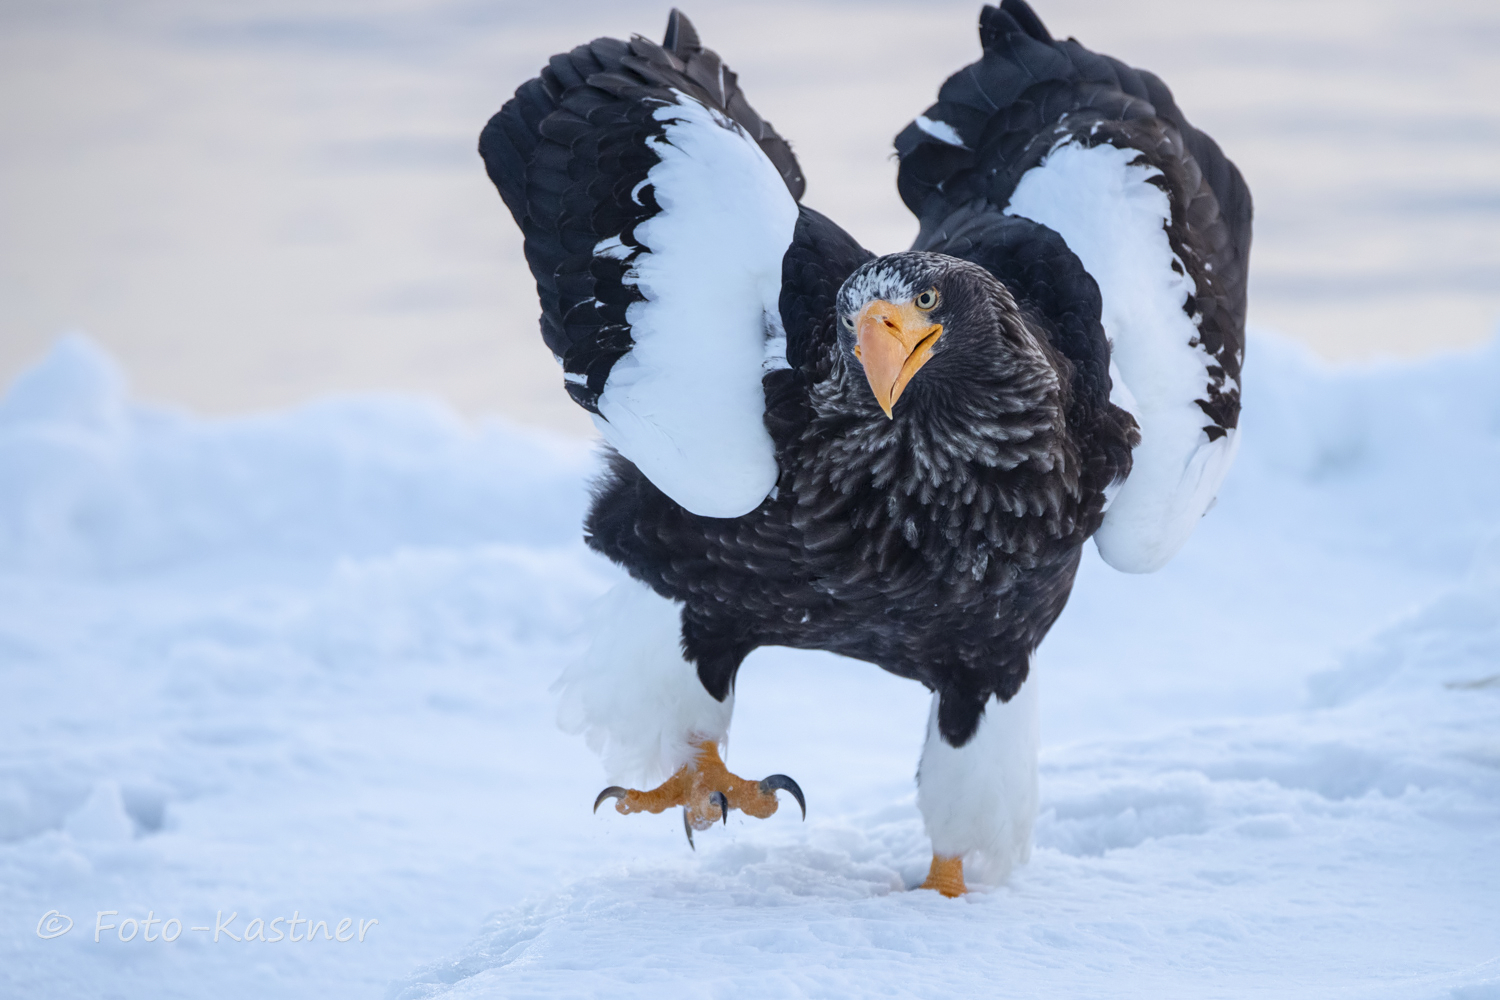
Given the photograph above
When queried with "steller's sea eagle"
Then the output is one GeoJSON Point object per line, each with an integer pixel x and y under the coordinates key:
{"type": "Point", "coordinates": [895, 458]}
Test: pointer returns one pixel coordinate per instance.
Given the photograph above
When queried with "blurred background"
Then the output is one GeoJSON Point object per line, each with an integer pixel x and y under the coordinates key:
{"type": "Point", "coordinates": [254, 203]}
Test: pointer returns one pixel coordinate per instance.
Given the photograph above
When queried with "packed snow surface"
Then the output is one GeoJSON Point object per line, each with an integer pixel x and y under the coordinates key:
{"type": "Point", "coordinates": [297, 666]}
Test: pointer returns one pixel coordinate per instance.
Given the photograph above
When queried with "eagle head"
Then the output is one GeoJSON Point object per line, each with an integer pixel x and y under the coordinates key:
{"type": "Point", "coordinates": [913, 312]}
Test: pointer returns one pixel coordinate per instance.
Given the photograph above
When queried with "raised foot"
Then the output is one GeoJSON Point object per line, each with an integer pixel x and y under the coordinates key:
{"type": "Point", "coordinates": [946, 876]}
{"type": "Point", "coordinates": [706, 790]}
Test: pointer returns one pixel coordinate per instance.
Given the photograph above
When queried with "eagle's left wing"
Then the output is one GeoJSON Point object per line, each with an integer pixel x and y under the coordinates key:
{"type": "Point", "coordinates": [1098, 152]}
{"type": "Point", "coordinates": [657, 208]}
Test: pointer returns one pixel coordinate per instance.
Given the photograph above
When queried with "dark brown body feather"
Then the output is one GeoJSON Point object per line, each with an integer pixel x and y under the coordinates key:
{"type": "Point", "coordinates": [941, 544]}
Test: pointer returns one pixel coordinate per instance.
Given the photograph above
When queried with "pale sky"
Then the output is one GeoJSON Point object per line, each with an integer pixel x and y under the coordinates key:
{"type": "Point", "coordinates": [251, 204]}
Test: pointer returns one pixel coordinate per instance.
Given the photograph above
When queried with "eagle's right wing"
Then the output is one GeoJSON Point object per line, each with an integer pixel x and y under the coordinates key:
{"type": "Point", "coordinates": [657, 209]}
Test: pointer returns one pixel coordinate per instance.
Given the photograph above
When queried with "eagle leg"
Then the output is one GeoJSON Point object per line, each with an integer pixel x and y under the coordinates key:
{"type": "Point", "coordinates": [706, 790]}
{"type": "Point", "coordinates": [946, 876]}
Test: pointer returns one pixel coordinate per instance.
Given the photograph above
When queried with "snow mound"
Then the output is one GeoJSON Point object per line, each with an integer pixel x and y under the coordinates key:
{"type": "Point", "coordinates": [1216, 850]}
{"type": "Point", "coordinates": [91, 485]}
{"type": "Point", "coordinates": [1453, 642]}
{"type": "Point", "coordinates": [299, 664]}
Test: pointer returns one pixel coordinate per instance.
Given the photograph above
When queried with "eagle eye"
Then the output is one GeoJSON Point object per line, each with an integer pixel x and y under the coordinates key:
{"type": "Point", "coordinates": [848, 322]}
{"type": "Point", "coordinates": [928, 300]}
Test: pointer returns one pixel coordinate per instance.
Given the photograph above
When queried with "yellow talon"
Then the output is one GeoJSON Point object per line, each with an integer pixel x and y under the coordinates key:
{"type": "Point", "coordinates": [704, 787]}
{"type": "Point", "coordinates": [946, 876]}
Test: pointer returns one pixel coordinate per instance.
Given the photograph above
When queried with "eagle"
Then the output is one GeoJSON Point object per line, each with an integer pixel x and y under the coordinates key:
{"type": "Point", "coordinates": [895, 458]}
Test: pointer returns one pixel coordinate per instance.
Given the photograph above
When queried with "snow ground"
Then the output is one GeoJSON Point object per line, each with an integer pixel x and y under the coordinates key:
{"type": "Point", "coordinates": [300, 661]}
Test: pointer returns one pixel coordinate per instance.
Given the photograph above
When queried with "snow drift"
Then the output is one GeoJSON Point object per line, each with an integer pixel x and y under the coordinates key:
{"type": "Point", "coordinates": [297, 664]}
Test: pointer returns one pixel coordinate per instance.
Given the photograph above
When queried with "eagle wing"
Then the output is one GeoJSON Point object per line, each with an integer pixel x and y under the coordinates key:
{"type": "Point", "coordinates": [1158, 217]}
{"type": "Point", "coordinates": [657, 208]}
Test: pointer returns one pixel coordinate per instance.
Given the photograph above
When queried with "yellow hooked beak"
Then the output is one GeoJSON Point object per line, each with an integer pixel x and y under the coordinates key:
{"type": "Point", "coordinates": [893, 342]}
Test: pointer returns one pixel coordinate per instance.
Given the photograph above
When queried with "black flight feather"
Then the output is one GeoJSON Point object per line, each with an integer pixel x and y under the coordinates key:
{"type": "Point", "coordinates": [941, 543]}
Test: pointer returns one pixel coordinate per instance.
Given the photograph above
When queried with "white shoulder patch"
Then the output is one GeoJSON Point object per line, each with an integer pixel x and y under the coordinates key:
{"type": "Point", "coordinates": [1114, 220]}
{"type": "Point", "coordinates": [941, 131]}
{"type": "Point", "coordinates": [686, 404]}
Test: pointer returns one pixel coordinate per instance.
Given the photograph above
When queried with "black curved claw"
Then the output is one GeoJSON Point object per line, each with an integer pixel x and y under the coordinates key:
{"type": "Point", "coordinates": [722, 801]}
{"type": "Point", "coordinates": [612, 792]}
{"type": "Point", "coordinates": [688, 828]}
{"type": "Point", "coordinates": [786, 784]}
